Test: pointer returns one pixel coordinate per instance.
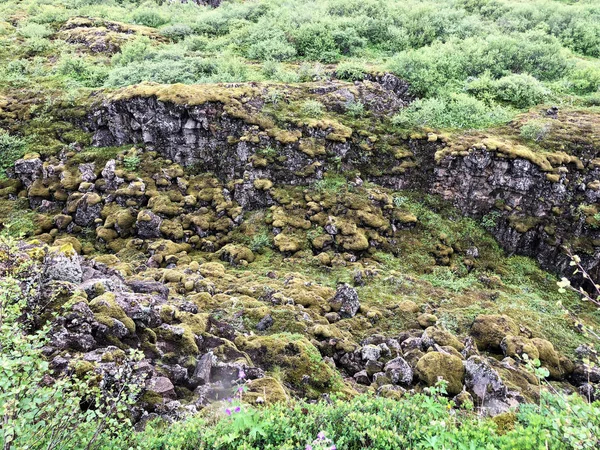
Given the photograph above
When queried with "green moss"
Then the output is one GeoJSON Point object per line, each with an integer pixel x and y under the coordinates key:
{"type": "Point", "coordinates": [106, 309]}
{"type": "Point", "coordinates": [433, 365]}
{"type": "Point", "coordinates": [301, 363]}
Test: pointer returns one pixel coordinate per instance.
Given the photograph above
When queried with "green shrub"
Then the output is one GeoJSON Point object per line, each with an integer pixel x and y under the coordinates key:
{"type": "Point", "coordinates": [312, 72]}
{"type": "Point", "coordinates": [586, 80]}
{"type": "Point", "coordinates": [456, 111]}
{"type": "Point", "coordinates": [315, 41]}
{"type": "Point", "coordinates": [519, 90]}
{"type": "Point", "coordinates": [176, 32]}
{"type": "Point", "coordinates": [269, 44]}
{"type": "Point", "coordinates": [34, 31]}
{"type": "Point", "coordinates": [536, 129]}
{"type": "Point", "coordinates": [11, 149]}
{"type": "Point", "coordinates": [260, 241]}
{"type": "Point", "coordinates": [131, 162]}
{"type": "Point", "coordinates": [196, 43]}
{"type": "Point", "coordinates": [350, 71]}
{"type": "Point", "coordinates": [424, 420]}
{"type": "Point", "coordinates": [149, 18]}
{"type": "Point", "coordinates": [82, 70]}
{"type": "Point", "coordinates": [355, 109]}
{"type": "Point", "coordinates": [138, 50]}
{"type": "Point", "coordinates": [311, 108]}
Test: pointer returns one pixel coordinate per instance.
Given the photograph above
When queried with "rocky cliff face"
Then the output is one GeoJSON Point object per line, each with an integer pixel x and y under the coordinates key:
{"type": "Point", "coordinates": [533, 202]}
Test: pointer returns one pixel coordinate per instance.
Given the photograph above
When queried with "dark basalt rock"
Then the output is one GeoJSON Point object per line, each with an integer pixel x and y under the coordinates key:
{"type": "Point", "coordinates": [346, 301]}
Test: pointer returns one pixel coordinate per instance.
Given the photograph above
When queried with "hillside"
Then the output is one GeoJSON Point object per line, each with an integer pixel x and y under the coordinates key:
{"type": "Point", "coordinates": [266, 224]}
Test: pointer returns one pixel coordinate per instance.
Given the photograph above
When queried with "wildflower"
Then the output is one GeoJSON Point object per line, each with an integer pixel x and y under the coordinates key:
{"type": "Point", "coordinates": [241, 374]}
{"type": "Point", "coordinates": [308, 447]}
{"type": "Point", "coordinates": [333, 447]}
{"type": "Point", "coordinates": [321, 435]}
{"type": "Point", "coordinates": [228, 411]}
{"type": "Point", "coordinates": [237, 409]}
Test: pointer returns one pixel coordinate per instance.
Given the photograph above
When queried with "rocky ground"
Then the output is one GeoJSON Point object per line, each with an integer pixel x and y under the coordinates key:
{"type": "Point", "coordinates": [223, 229]}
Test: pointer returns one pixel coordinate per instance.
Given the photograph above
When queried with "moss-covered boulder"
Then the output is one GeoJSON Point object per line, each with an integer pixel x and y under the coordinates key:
{"type": "Point", "coordinates": [435, 365]}
{"type": "Point", "coordinates": [516, 346]}
{"type": "Point", "coordinates": [302, 366]}
{"type": "Point", "coordinates": [236, 254]}
{"type": "Point", "coordinates": [108, 312]}
{"type": "Point", "coordinates": [441, 337]}
{"type": "Point", "coordinates": [551, 359]}
{"type": "Point", "coordinates": [265, 390]}
{"type": "Point", "coordinates": [489, 330]}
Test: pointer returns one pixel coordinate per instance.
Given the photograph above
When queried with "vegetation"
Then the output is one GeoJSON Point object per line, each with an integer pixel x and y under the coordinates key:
{"type": "Point", "coordinates": [37, 411]}
{"type": "Point", "coordinates": [481, 75]}
{"type": "Point", "coordinates": [506, 54]}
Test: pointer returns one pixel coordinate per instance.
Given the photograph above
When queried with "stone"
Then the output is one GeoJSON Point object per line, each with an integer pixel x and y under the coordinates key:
{"type": "Point", "coordinates": [482, 380]}
{"type": "Point", "coordinates": [399, 371]}
{"type": "Point", "coordinates": [265, 323]}
{"type": "Point", "coordinates": [435, 365]}
{"type": "Point", "coordinates": [489, 330]}
{"type": "Point", "coordinates": [427, 320]}
{"type": "Point", "coordinates": [370, 352]}
{"type": "Point", "coordinates": [162, 387]}
{"type": "Point", "coordinates": [362, 377]}
{"type": "Point", "coordinates": [345, 301]}
{"type": "Point", "coordinates": [440, 336]}
{"type": "Point", "coordinates": [202, 370]}
{"type": "Point", "coordinates": [148, 225]}
{"type": "Point", "coordinates": [63, 265]}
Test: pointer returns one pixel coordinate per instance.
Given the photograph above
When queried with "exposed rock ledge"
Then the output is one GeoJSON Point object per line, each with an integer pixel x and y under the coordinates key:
{"type": "Point", "coordinates": [534, 202]}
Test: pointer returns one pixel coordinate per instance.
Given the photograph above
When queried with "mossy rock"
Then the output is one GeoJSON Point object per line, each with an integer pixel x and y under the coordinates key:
{"type": "Point", "coordinates": [489, 330]}
{"type": "Point", "coordinates": [73, 241]}
{"type": "Point", "coordinates": [287, 244]}
{"type": "Point", "coordinates": [515, 346]}
{"type": "Point", "coordinates": [434, 365]}
{"type": "Point", "coordinates": [236, 254]}
{"type": "Point", "coordinates": [441, 337]}
{"type": "Point", "coordinates": [180, 339]}
{"type": "Point", "coordinates": [106, 310]}
{"type": "Point", "coordinates": [265, 390]}
{"type": "Point", "coordinates": [302, 366]}
{"type": "Point", "coordinates": [212, 270]}
{"type": "Point", "coordinates": [550, 358]}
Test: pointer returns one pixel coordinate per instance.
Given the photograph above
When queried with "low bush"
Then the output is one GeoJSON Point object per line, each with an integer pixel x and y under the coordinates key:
{"type": "Point", "coordinates": [176, 32]}
{"type": "Point", "coordinates": [424, 420]}
{"type": "Point", "coordinates": [455, 112]}
{"type": "Point", "coordinates": [311, 108]}
{"type": "Point", "coordinates": [518, 90]}
{"type": "Point", "coordinates": [149, 18]}
{"type": "Point", "coordinates": [11, 149]}
{"type": "Point", "coordinates": [350, 71]}
{"type": "Point", "coordinates": [536, 129]}
{"type": "Point", "coordinates": [34, 30]}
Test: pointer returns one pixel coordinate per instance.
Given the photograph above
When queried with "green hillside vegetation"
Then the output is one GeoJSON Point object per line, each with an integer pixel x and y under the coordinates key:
{"type": "Point", "coordinates": [517, 81]}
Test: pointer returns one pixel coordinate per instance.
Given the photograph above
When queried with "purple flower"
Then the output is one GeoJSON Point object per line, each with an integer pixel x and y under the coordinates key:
{"type": "Point", "coordinates": [333, 447]}
{"type": "Point", "coordinates": [237, 409]}
{"type": "Point", "coordinates": [321, 435]}
{"type": "Point", "coordinates": [241, 389]}
{"type": "Point", "coordinates": [241, 374]}
{"type": "Point", "coordinates": [308, 447]}
{"type": "Point", "coordinates": [228, 411]}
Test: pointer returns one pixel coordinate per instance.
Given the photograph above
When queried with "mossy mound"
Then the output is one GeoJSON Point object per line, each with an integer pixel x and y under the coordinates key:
{"type": "Point", "coordinates": [301, 364]}
{"type": "Point", "coordinates": [435, 365]}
